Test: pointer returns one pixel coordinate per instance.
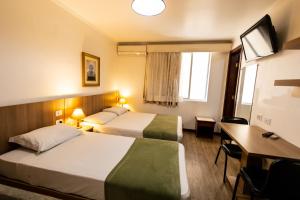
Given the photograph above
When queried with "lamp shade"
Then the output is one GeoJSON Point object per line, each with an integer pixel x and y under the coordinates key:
{"type": "Point", "coordinates": [148, 7]}
{"type": "Point", "coordinates": [78, 114]}
{"type": "Point", "coordinates": [122, 100]}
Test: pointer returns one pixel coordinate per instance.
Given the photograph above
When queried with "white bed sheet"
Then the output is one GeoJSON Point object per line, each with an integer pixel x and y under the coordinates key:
{"type": "Point", "coordinates": [131, 124]}
{"type": "Point", "coordinates": [73, 168]}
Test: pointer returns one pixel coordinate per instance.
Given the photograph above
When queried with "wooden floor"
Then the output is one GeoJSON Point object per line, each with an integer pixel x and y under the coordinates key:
{"type": "Point", "coordinates": [205, 178]}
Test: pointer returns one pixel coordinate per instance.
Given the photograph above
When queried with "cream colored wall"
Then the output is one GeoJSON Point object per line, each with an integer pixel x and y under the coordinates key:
{"type": "Point", "coordinates": [40, 52]}
{"type": "Point", "coordinates": [280, 104]}
{"type": "Point", "coordinates": [130, 80]}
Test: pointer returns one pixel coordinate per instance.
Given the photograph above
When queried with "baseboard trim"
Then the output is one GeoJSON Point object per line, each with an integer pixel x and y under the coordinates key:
{"type": "Point", "coordinates": [188, 130]}
{"type": "Point", "coordinates": [193, 131]}
{"type": "Point", "coordinates": [217, 133]}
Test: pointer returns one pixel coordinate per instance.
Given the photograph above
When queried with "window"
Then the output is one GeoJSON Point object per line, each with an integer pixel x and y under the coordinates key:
{"type": "Point", "coordinates": [249, 83]}
{"type": "Point", "coordinates": [194, 75]}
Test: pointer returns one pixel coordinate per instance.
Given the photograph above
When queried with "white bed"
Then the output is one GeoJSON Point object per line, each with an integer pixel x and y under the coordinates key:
{"type": "Point", "coordinates": [131, 124]}
{"type": "Point", "coordinates": [73, 168]}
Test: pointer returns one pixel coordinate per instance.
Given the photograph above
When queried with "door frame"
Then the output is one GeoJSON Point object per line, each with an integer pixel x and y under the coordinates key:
{"type": "Point", "coordinates": [239, 50]}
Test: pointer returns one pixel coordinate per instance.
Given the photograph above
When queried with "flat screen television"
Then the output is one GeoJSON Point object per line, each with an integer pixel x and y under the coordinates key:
{"type": "Point", "coordinates": [260, 40]}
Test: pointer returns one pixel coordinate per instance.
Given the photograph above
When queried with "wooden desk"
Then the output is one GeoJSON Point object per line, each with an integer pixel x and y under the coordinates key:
{"type": "Point", "coordinates": [255, 146]}
{"type": "Point", "coordinates": [249, 138]}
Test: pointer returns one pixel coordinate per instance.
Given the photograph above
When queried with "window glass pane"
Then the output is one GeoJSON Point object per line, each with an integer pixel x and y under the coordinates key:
{"type": "Point", "coordinates": [199, 79]}
{"type": "Point", "coordinates": [185, 75]}
{"type": "Point", "coordinates": [249, 83]}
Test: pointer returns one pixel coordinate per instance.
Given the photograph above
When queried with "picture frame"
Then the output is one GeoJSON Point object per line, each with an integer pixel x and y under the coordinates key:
{"type": "Point", "coordinates": [90, 70]}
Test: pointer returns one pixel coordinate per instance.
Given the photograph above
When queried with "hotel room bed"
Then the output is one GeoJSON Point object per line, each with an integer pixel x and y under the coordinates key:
{"type": "Point", "coordinates": [131, 124]}
{"type": "Point", "coordinates": [79, 166]}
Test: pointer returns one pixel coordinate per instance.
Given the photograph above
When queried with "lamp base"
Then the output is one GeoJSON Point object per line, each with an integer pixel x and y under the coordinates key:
{"type": "Point", "coordinates": [78, 124]}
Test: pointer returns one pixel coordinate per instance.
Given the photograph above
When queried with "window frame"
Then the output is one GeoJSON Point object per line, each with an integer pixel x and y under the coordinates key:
{"type": "Point", "coordinates": [207, 77]}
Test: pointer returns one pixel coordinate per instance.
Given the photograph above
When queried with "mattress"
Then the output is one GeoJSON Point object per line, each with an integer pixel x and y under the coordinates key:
{"type": "Point", "coordinates": [131, 124]}
{"type": "Point", "coordinates": [73, 168]}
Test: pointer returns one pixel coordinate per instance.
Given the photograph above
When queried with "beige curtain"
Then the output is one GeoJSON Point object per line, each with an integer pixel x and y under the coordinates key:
{"type": "Point", "coordinates": [162, 78]}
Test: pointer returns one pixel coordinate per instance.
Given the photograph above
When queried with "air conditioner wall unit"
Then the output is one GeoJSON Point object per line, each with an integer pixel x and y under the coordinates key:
{"type": "Point", "coordinates": [138, 50]}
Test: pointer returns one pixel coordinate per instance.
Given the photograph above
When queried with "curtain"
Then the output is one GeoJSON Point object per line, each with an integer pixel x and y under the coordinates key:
{"type": "Point", "coordinates": [162, 73]}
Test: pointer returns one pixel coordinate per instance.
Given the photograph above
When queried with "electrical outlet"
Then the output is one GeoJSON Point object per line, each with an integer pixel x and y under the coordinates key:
{"type": "Point", "coordinates": [259, 117]}
{"type": "Point", "coordinates": [268, 121]}
{"type": "Point", "coordinates": [58, 113]}
{"type": "Point", "coordinates": [59, 121]}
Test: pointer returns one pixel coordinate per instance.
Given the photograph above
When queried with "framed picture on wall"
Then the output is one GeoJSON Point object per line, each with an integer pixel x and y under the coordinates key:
{"type": "Point", "coordinates": [90, 70]}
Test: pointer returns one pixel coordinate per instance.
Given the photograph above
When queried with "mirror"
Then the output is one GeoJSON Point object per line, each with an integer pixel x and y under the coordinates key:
{"type": "Point", "coordinates": [245, 92]}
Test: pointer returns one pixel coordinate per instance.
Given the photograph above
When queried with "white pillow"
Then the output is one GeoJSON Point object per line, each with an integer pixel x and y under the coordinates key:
{"type": "Point", "coordinates": [45, 138]}
{"type": "Point", "coordinates": [100, 118]}
{"type": "Point", "coordinates": [117, 110]}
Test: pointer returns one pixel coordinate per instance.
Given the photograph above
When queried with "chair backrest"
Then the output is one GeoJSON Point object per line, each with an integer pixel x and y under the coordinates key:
{"type": "Point", "coordinates": [235, 120]}
{"type": "Point", "coordinates": [283, 181]}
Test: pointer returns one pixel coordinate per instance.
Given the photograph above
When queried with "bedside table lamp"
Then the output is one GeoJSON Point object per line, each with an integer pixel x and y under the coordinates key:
{"type": "Point", "coordinates": [122, 101]}
{"type": "Point", "coordinates": [78, 115]}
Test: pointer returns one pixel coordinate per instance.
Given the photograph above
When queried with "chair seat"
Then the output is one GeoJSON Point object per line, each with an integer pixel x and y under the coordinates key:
{"type": "Point", "coordinates": [232, 150]}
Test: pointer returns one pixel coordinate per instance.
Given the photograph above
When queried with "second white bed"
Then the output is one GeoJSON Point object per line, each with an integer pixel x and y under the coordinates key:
{"type": "Point", "coordinates": [131, 124]}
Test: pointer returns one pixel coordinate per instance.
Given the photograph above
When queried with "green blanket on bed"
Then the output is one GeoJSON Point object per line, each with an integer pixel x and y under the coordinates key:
{"type": "Point", "coordinates": [162, 127]}
{"type": "Point", "coordinates": [149, 171]}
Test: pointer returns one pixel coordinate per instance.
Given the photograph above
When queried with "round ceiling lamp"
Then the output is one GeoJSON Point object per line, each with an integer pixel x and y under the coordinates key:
{"type": "Point", "coordinates": [148, 7]}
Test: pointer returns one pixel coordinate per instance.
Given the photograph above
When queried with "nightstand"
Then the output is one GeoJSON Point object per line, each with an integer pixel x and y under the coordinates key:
{"type": "Point", "coordinates": [87, 128]}
{"type": "Point", "coordinates": [204, 126]}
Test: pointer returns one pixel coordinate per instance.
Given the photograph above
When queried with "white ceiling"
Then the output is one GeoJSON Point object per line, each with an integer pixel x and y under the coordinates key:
{"type": "Point", "coordinates": [181, 20]}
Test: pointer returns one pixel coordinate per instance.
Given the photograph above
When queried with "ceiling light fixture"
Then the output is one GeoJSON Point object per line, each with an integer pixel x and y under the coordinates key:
{"type": "Point", "coordinates": [148, 7]}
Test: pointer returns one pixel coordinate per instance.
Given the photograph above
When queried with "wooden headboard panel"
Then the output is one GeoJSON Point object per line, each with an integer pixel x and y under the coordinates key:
{"type": "Point", "coordinates": [91, 104]}
{"type": "Point", "coordinates": [19, 119]}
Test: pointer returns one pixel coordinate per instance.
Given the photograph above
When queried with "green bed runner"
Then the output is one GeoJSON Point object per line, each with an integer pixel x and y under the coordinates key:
{"type": "Point", "coordinates": [149, 171]}
{"type": "Point", "coordinates": [162, 127]}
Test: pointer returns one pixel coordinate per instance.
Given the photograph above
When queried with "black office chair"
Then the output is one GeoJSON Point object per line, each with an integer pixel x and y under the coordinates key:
{"type": "Point", "coordinates": [229, 149]}
{"type": "Point", "coordinates": [281, 181]}
{"type": "Point", "coordinates": [236, 120]}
